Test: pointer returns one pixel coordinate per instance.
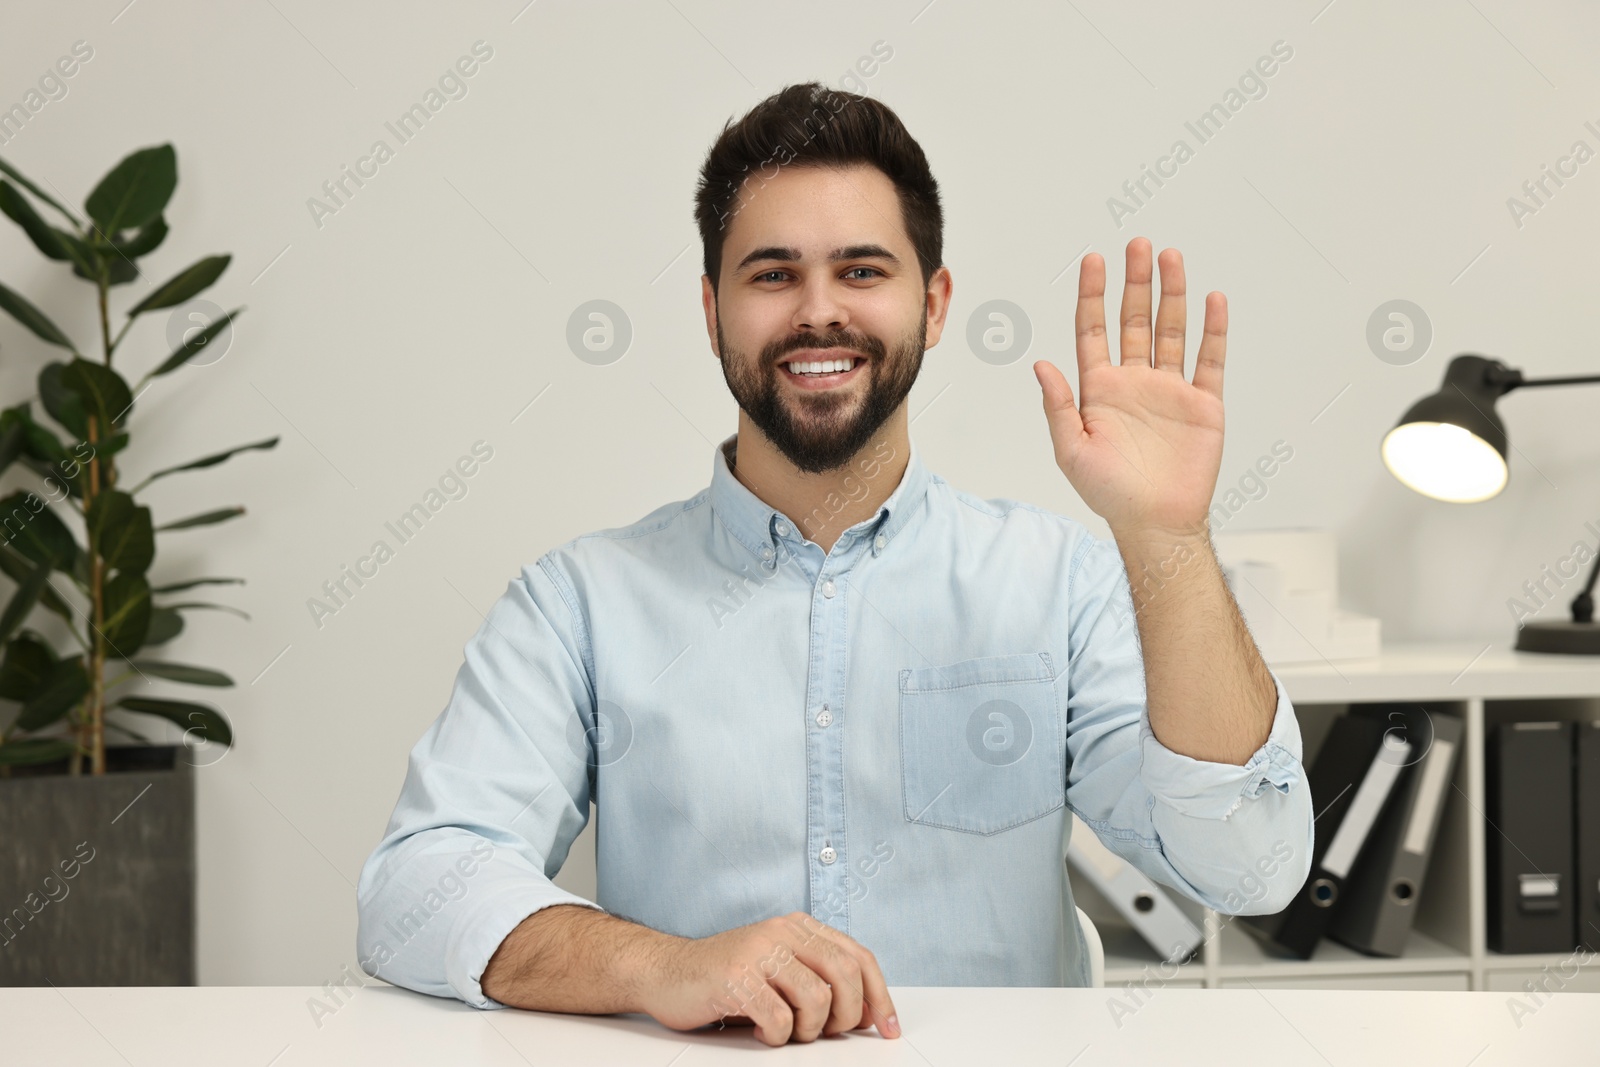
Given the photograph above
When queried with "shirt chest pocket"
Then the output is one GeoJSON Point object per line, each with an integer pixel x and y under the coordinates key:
{"type": "Point", "coordinates": [980, 743]}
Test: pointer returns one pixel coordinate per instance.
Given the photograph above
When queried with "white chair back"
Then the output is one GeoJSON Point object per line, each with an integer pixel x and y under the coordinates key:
{"type": "Point", "coordinates": [1096, 950]}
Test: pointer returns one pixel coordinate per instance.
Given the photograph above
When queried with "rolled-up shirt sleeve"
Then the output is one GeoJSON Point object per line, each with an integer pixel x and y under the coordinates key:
{"type": "Point", "coordinates": [1235, 837]}
{"type": "Point", "coordinates": [494, 794]}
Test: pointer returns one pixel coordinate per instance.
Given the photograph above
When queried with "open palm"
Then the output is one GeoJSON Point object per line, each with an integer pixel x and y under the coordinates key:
{"type": "Point", "coordinates": [1141, 445]}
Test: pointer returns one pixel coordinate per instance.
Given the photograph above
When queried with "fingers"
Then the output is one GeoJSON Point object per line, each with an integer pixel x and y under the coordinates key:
{"type": "Point", "coordinates": [1135, 343]}
{"type": "Point", "coordinates": [868, 988]}
{"type": "Point", "coordinates": [809, 996]}
{"type": "Point", "coordinates": [773, 1018]}
{"type": "Point", "coordinates": [1170, 317]}
{"type": "Point", "coordinates": [1213, 346]}
{"type": "Point", "coordinates": [1090, 319]}
{"type": "Point", "coordinates": [838, 967]}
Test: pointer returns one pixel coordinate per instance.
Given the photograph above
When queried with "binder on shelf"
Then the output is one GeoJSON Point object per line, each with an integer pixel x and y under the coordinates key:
{"type": "Point", "coordinates": [1528, 779]}
{"type": "Point", "coordinates": [1147, 907]}
{"type": "Point", "coordinates": [1587, 784]}
{"type": "Point", "coordinates": [1352, 780]}
{"type": "Point", "coordinates": [1381, 894]}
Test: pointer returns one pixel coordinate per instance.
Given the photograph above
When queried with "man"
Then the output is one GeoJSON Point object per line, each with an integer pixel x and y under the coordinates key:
{"type": "Point", "coordinates": [833, 713]}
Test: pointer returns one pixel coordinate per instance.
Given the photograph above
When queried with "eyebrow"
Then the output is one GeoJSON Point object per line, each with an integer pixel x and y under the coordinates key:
{"type": "Point", "coordinates": [783, 254]}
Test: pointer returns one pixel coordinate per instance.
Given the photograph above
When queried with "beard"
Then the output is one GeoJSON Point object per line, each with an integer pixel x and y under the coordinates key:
{"type": "Point", "coordinates": [822, 431]}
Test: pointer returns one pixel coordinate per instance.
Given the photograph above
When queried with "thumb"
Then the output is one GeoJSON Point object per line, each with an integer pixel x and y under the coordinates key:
{"type": "Point", "coordinates": [1066, 426]}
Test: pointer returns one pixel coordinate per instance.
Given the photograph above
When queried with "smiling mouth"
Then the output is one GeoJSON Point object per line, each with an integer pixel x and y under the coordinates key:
{"type": "Point", "coordinates": [822, 374]}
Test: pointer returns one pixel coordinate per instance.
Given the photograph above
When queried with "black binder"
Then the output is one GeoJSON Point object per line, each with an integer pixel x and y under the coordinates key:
{"type": "Point", "coordinates": [1352, 781]}
{"type": "Point", "coordinates": [1528, 773]}
{"type": "Point", "coordinates": [1588, 837]}
{"type": "Point", "coordinates": [1380, 900]}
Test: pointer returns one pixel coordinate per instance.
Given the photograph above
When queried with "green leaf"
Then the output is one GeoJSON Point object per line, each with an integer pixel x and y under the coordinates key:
{"type": "Point", "coordinates": [103, 393]}
{"type": "Point", "coordinates": [27, 666]}
{"type": "Point", "coordinates": [16, 176]}
{"type": "Point", "coordinates": [122, 533]}
{"type": "Point", "coordinates": [205, 721]}
{"type": "Point", "coordinates": [68, 684]}
{"type": "Point", "coordinates": [118, 271]}
{"type": "Point", "coordinates": [85, 264]}
{"type": "Point", "coordinates": [20, 211]}
{"type": "Point", "coordinates": [203, 519]}
{"type": "Point", "coordinates": [127, 613]}
{"type": "Point", "coordinates": [182, 286]}
{"type": "Point", "coordinates": [18, 570]}
{"type": "Point", "coordinates": [40, 535]}
{"type": "Point", "coordinates": [37, 441]}
{"type": "Point", "coordinates": [176, 586]}
{"type": "Point", "coordinates": [181, 672]}
{"type": "Point", "coordinates": [43, 453]}
{"type": "Point", "coordinates": [61, 402]}
{"type": "Point", "coordinates": [18, 307]}
{"type": "Point", "coordinates": [165, 624]}
{"type": "Point", "coordinates": [209, 461]}
{"type": "Point", "coordinates": [49, 471]}
{"type": "Point", "coordinates": [23, 600]}
{"type": "Point", "coordinates": [186, 351]}
{"type": "Point", "coordinates": [108, 446]}
{"type": "Point", "coordinates": [145, 241]}
{"type": "Point", "coordinates": [204, 604]}
{"type": "Point", "coordinates": [10, 444]}
{"type": "Point", "coordinates": [35, 750]}
{"type": "Point", "coordinates": [135, 191]}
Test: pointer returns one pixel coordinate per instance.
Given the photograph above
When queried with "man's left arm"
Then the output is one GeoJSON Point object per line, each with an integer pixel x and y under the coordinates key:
{"type": "Point", "coordinates": [1210, 695]}
{"type": "Point", "coordinates": [1218, 763]}
{"type": "Point", "coordinates": [1220, 747]}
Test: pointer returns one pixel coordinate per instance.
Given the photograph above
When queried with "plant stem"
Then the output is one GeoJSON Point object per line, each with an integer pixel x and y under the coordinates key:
{"type": "Point", "coordinates": [117, 340]}
{"type": "Point", "coordinates": [97, 651]}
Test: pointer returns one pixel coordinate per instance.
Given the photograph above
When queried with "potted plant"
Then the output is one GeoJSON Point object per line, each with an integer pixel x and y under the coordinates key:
{"type": "Point", "coordinates": [97, 876]}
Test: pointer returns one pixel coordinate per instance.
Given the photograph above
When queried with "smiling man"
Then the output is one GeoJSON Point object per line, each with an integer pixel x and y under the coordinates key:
{"type": "Point", "coordinates": [834, 714]}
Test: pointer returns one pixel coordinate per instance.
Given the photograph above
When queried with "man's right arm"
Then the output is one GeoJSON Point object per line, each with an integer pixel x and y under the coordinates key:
{"type": "Point", "coordinates": [459, 893]}
{"type": "Point", "coordinates": [791, 977]}
{"type": "Point", "coordinates": [574, 959]}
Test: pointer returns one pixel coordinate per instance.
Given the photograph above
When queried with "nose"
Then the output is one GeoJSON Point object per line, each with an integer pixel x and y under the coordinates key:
{"type": "Point", "coordinates": [819, 308]}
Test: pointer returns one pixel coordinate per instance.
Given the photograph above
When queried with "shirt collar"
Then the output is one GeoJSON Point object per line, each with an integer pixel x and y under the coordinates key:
{"type": "Point", "coordinates": [755, 524]}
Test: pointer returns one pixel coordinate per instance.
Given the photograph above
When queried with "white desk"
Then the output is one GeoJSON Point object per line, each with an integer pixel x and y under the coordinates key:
{"type": "Point", "coordinates": [378, 1024]}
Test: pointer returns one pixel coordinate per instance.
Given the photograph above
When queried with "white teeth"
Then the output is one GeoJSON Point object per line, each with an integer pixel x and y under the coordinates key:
{"type": "Point", "coordinates": [826, 367]}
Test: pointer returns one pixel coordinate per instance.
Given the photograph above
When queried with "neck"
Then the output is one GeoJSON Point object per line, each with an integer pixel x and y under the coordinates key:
{"type": "Point", "coordinates": [824, 505]}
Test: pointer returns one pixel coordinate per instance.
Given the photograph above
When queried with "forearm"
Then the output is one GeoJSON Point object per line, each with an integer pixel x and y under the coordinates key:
{"type": "Point", "coordinates": [574, 959]}
{"type": "Point", "coordinates": [1209, 693]}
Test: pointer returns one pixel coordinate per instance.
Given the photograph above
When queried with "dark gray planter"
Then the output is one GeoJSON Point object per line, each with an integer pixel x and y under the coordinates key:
{"type": "Point", "coordinates": [97, 872]}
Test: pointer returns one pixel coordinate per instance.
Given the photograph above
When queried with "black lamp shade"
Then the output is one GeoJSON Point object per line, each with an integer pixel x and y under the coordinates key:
{"type": "Point", "coordinates": [1451, 445]}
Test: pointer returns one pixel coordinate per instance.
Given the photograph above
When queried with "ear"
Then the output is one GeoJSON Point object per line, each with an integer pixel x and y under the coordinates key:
{"type": "Point", "coordinates": [708, 301]}
{"type": "Point", "coordinates": [940, 285]}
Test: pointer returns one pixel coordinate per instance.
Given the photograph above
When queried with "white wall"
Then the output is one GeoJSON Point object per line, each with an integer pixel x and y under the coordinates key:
{"type": "Point", "coordinates": [432, 308]}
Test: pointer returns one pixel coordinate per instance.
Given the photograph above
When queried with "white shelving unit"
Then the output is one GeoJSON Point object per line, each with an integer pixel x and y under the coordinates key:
{"type": "Point", "coordinates": [1481, 684]}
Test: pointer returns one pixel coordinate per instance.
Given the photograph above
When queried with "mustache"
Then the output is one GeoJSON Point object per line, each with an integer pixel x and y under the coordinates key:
{"type": "Point", "coordinates": [870, 347]}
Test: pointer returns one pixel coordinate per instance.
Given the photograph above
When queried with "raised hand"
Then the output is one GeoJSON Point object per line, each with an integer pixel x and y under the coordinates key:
{"type": "Point", "coordinates": [1141, 445]}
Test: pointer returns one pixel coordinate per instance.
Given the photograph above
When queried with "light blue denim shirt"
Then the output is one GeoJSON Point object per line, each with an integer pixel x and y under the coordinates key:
{"type": "Point", "coordinates": [889, 736]}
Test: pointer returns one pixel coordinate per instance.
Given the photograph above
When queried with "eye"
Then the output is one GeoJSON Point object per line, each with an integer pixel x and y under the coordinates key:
{"type": "Point", "coordinates": [767, 274]}
{"type": "Point", "coordinates": [874, 270]}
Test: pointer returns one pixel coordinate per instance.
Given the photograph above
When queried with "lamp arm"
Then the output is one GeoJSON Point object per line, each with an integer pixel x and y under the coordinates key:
{"type": "Point", "coordinates": [1510, 379]}
{"type": "Point", "coordinates": [1583, 603]}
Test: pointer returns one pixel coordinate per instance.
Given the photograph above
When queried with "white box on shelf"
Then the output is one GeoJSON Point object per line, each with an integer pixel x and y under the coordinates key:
{"type": "Point", "coordinates": [1286, 583]}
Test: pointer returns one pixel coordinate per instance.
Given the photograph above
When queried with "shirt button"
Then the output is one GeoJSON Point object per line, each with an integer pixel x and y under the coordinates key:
{"type": "Point", "coordinates": [766, 551]}
{"type": "Point", "coordinates": [828, 589]}
{"type": "Point", "coordinates": [824, 717]}
{"type": "Point", "coordinates": [827, 855]}
{"type": "Point", "coordinates": [783, 529]}
{"type": "Point", "coordinates": [879, 542]}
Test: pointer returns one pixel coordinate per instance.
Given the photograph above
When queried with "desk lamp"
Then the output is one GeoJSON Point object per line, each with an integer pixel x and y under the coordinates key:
{"type": "Point", "coordinates": [1452, 446]}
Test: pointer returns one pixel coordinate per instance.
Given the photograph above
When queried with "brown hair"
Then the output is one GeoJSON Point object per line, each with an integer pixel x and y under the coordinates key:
{"type": "Point", "coordinates": [808, 124]}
